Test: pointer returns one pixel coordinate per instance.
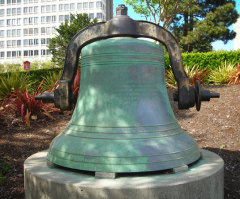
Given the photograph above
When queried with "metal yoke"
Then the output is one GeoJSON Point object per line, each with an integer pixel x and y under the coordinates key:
{"type": "Point", "coordinates": [123, 26]}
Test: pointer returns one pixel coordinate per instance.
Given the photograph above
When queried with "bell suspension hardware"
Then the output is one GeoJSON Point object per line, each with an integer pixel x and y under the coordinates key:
{"type": "Point", "coordinates": [123, 26]}
{"type": "Point", "coordinates": [123, 121]}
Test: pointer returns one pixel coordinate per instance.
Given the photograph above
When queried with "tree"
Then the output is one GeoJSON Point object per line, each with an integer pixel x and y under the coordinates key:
{"type": "Point", "coordinates": [207, 22]}
{"type": "Point", "coordinates": [195, 23]}
{"type": "Point", "coordinates": [58, 45]}
{"type": "Point", "coordinates": [162, 12]}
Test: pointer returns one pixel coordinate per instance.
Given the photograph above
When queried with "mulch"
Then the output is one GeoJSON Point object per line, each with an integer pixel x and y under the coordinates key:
{"type": "Point", "coordinates": [215, 128]}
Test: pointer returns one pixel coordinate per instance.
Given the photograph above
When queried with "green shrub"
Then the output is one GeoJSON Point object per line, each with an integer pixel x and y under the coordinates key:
{"type": "Point", "coordinates": [221, 74]}
{"type": "Point", "coordinates": [209, 60]}
{"type": "Point", "coordinates": [50, 80]}
{"type": "Point", "coordinates": [11, 82]}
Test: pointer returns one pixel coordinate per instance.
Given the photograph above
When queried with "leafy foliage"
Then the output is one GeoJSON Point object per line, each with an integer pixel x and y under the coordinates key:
{"type": "Point", "coordinates": [50, 81]}
{"type": "Point", "coordinates": [11, 82]}
{"type": "Point", "coordinates": [222, 74]}
{"type": "Point", "coordinates": [193, 73]}
{"type": "Point", "coordinates": [205, 22]}
{"type": "Point", "coordinates": [58, 45]}
{"type": "Point", "coordinates": [235, 77]}
{"type": "Point", "coordinates": [5, 168]}
{"type": "Point", "coordinates": [160, 11]}
{"type": "Point", "coordinates": [26, 105]}
{"type": "Point", "coordinates": [209, 60]}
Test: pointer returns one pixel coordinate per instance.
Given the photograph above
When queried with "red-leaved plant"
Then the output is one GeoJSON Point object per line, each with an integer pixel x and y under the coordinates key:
{"type": "Point", "coordinates": [25, 105]}
{"type": "Point", "coordinates": [76, 85]}
{"type": "Point", "coordinates": [235, 78]}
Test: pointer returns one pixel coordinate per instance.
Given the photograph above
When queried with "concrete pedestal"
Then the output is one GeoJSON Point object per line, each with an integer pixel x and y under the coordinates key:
{"type": "Point", "coordinates": [203, 180]}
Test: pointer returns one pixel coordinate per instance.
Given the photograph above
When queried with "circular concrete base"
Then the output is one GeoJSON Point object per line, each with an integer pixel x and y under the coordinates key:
{"type": "Point", "coordinates": [203, 180]}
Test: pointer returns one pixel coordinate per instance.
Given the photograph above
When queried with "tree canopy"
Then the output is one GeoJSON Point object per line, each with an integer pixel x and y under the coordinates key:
{"type": "Point", "coordinates": [195, 23]}
{"type": "Point", "coordinates": [65, 32]}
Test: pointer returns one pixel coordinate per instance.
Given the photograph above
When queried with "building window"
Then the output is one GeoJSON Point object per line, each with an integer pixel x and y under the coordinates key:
{"type": "Point", "coordinates": [18, 32]}
{"type": "Point", "coordinates": [72, 6]}
{"type": "Point", "coordinates": [91, 15]}
{"type": "Point", "coordinates": [43, 19]}
{"type": "Point", "coordinates": [85, 5]}
{"type": "Point", "coordinates": [14, 22]}
{"type": "Point", "coordinates": [2, 54]}
{"type": "Point", "coordinates": [9, 11]}
{"type": "Point", "coordinates": [43, 30]}
{"type": "Point", "coordinates": [14, 1]}
{"type": "Point", "coordinates": [14, 53]}
{"type": "Point", "coordinates": [2, 44]}
{"type": "Point", "coordinates": [48, 8]}
{"type": "Point", "coordinates": [35, 41]}
{"type": "Point", "coordinates": [79, 6]}
{"type": "Point", "coordinates": [9, 53]}
{"type": "Point", "coordinates": [2, 2]}
{"type": "Point", "coordinates": [35, 9]}
{"type": "Point", "coordinates": [18, 11]}
{"type": "Point", "coordinates": [30, 52]}
{"type": "Point", "coordinates": [30, 31]}
{"type": "Point", "coordinates": [66, 6]}
{"type": "Point", "coordinates": [54, 18]}
{"type": "Point", "coordinates": [54, 8]}
{"type": "Point", "coordinates": [25, 10]}
{"type": "Point", "coordinates": [43, 52]}
{"type": "Point", "coordinates": [60, 7]}
{"type": "Point", "coordinates": [14, 11]}
{"type": "Point", "coordinates": [48, 19]}
{"type": "Point", "coordinates": [99, 15]}
{"type": "Point", "coordinates": [14, 32]}
{"type": "Point", "coordinates": [14, 43]}
{"type": "Point", "coordinates": [1, 33]}
{"type": "Point", "coordinates": [35, 31]}
{"type": "Point", "coordinates": [19, 21]}
{"type": "Point", "coordinates": [2, 22]}
{"type": "Point", "coordinates": [9, 33]}
{"type": "Point", "coordinates": [19, 1]}
{"type": "Point", "coordinates": [9, 2]}
{"type": "Point", "coordinates": [30, 20]}
{"type": "Point", "coordinates": [25, 53]}
{"type": "Point", "coordinates": [99, 4]}
{"type": "Point", "coordinates": [66, 17]}
{"type": "Point", "coordinates": [30, 9]}
{"type": "Point", "coordinates": [61, 18]}
{"type": "Point", "coordinates": [30, 42]}
{"type": "Point", "coordinates": [19, 43]}
{"type": "Point", "coordinates": [25, 21]}
{"type": "Point", "coordinates": [1, 12]}
{"type": "Point", "coordinates": [9, 22]}
{"type": "Point", "coordinates": [19, 53]}
{"type": "Point", "coordinates": [9, 43]}
{"type": "Point", "coordinates": [91, 4]}
{"type": "Point", "coordinates": [43, 8]}
{"type": "Point", "coordinates": [25, 42]}
{"type": "Point", "coordinates": [36, 20]}
{"type": "Point", "coordinates": [25, 1]}
{"type": "Point", "coordinates": [25, 32]}
{"type": "Point", "coordinates": [48, 30]}
{"type": "Point", "coordinates": [35, 52]}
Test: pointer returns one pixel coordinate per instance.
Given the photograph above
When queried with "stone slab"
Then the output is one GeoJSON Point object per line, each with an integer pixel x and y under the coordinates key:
{"type": "Point", "coordinates": [203, 180]}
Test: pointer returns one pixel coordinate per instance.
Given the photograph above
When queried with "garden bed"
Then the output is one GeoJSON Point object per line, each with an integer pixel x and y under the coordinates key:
{"type": "Point", "coordinates": [216, 128]}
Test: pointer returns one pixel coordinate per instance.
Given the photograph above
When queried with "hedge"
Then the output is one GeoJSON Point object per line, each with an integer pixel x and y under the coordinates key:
{"type": "Point", "coordinates": [36, 75]}
{"type": "Point", "coordinates": [209, 60]}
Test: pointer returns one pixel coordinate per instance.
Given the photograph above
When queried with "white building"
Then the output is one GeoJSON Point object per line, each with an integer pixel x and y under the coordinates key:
{"type": "Point", "coordinates": [27, 25]}
{"type": "Point", "coordinates": [237, 38]}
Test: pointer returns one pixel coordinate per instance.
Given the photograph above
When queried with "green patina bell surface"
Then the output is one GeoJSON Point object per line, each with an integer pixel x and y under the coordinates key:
{"type": "Point", "coordinates": [123, 121]}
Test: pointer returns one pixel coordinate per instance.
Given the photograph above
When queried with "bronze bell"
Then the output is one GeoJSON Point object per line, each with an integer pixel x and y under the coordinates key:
{"type": "Point", "coordinates": [123, 121]}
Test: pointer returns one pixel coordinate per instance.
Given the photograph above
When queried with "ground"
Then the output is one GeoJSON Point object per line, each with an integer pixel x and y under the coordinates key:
{"type": "Point", "coordinates": [216, 128]}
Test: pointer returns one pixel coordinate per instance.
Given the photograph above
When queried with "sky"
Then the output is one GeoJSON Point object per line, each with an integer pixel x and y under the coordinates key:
{"type": "Point", "coordinates": [218, 45]}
